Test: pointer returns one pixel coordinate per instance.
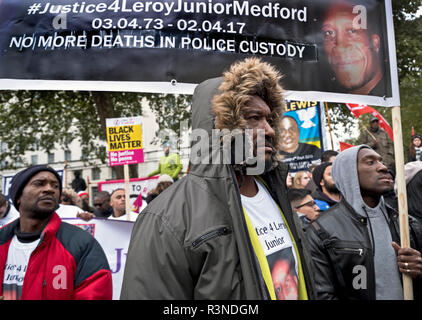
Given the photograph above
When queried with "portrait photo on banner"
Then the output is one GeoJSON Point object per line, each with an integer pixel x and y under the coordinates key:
{"type": "Point", "coordinates": [353, 45]}
{"type": "Point", "coordinates": [301, 135]}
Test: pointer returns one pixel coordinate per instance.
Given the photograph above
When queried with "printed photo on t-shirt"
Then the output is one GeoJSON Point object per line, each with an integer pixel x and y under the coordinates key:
{"type": "Point", "coordinates": [283, 273]}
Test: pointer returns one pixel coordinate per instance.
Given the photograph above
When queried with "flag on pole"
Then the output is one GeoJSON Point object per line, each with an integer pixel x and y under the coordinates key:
{"type": "Point", "coordinates": [137, 204]}
{"type": "Point", "coordinates": [358, 110]}
{"type": "Point", "coordinates": [344, 146]}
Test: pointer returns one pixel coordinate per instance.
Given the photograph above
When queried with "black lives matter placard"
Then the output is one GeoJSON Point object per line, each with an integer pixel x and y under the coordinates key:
{"type": "Point", "coordinates": [127, 42]}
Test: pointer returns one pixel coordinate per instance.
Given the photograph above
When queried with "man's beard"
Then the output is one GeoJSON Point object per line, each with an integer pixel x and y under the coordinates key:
{"type": "Point", "coordinates": [331, 187]}
{"type": "Point", "coordinates": [41, 214]}
{"type": "Point", "coordinates": [253, 163]}
{"type": "Point", "coordinates": [268, 163]}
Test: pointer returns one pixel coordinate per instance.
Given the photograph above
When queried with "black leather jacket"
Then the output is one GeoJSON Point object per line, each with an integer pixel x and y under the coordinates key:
{"type": "Point", "coordinates": [340, 245]}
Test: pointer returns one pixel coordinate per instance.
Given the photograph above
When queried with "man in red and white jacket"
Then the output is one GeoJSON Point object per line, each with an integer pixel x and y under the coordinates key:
{"type": "Point", "coordinates": [43, 258]}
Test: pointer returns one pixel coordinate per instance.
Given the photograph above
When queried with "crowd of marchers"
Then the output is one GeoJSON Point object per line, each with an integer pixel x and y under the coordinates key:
{"type": "Point", "coordinates": [220, 232]}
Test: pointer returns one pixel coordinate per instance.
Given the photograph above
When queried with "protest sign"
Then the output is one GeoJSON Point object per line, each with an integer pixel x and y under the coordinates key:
{"type": "Point", "coordinates": [301, 135]}
{"type": "Point", "coordinates": [124, 138]}
{"type": "Point", "coordinates": [169, 46]}
{"type": "Point", "coordinates": [114, 237]}
{"type": "Point", "coordinates": [137, 186]}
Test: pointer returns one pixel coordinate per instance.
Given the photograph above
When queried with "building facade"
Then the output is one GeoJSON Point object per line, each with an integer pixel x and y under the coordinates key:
{"type": "Point", "coordinates": [72, 160]}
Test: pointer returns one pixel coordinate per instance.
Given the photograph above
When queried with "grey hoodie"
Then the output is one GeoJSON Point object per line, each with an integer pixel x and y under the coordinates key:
{"type": "Point", "coordinates": [345, 175]}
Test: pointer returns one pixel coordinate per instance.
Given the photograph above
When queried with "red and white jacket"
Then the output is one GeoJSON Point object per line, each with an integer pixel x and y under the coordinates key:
{"type": "Point", "coordinates": [68, 264]}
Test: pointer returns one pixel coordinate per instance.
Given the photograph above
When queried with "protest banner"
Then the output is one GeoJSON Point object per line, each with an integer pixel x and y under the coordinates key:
{"type": "Point", "coordinates": [170, 46]}
{"type": "Point", "coordinates": [124, 138]}
{"type": "Point", "coordinates": [301, 133]}
{"type": "Point", "coordinates": [114, 237]}
{"type": "Point", "coordinates": [137, 186]}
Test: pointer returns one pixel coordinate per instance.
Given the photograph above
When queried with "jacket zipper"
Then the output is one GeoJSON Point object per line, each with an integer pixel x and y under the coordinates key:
{"type": "Point", "coordinates": [353, 250]}
{"type": "Point", "coordinates": [209, 235]}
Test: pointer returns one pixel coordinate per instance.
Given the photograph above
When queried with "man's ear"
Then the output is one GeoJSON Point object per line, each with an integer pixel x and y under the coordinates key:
{"type": "Point", "coordinates": [376, 42]}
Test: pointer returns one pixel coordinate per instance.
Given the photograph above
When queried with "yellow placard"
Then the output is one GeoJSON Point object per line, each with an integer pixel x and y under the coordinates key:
{"type": "Point", "coordinates": [122, 138]}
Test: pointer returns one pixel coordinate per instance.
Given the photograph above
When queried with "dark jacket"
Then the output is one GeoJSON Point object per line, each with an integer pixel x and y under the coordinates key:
{"type": "Point", "coordinates": [340, 241]}
{"type": "Point", "coordinates": [194, 243]}
{"type": "Point", "coordinates": [358, 239]}
{"type": "Point", "coordinates": [319, 195]}
{"type": "Point", "coordinates": [88, 275]}
{"type": "Point", "coordinates": [103, 214]}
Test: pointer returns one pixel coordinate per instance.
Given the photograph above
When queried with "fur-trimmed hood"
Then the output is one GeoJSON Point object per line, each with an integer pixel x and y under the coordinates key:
{"type": "Point", "coordinates": [244, 79]}
{"type": "Point", "coordinates": [217, 104]}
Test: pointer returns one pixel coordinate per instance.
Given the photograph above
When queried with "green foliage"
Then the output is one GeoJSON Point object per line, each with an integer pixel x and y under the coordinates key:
{"type": "Point", "coordinates": [411, 109]}
{"type": "Point", "coordinates": [341, 119]}
{"type": "Point", "coordinates": [43, 120]}
{"type": "Point", "coordinates": [170, 112]}
{"type": "Point", "coordinates": [407, 30]}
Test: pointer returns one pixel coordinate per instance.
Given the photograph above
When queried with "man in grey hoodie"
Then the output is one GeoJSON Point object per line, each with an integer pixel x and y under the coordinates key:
{"type": "Point", "coordinates": [354, 245]}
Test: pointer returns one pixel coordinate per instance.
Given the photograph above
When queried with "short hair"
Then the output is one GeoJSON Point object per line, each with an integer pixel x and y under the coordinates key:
{"type": "Point", "coordinates": [115, 190]}
{"type": "Point", "coordinates": [295, 196]}
{"type": "Point", "coordinates": [327, 154]}
{"type": "Point", "coordinates": [104, 194]}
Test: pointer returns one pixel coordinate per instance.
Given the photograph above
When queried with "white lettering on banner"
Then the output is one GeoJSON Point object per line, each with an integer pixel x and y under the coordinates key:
{"type": "Point", "coordinates": [236, 8]}
{"type": "Point", "coordinates": [271, 48]}
{"type": "Point", "coordinates": [223, 45]}
{"type": "Point", "coordinates": [130, 29]}
{"type": "Point", "coordinates": [114, 237]}
{"type": "Point", "coordinates": [140, 41]}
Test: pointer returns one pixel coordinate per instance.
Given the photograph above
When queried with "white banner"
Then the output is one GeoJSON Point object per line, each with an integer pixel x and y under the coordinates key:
{"type": "Point", "coordinates": [137, 186]}
{"type": "Point", "coordinates": [114, 237]}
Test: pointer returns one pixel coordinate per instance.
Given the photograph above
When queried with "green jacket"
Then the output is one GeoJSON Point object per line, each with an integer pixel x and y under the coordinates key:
{"type": "Point", "coordinates": [193, 242]}
{"type": "Point", "coordinates": [169, 165]}
{"type": "Point", "coordinates": [384, 147]}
